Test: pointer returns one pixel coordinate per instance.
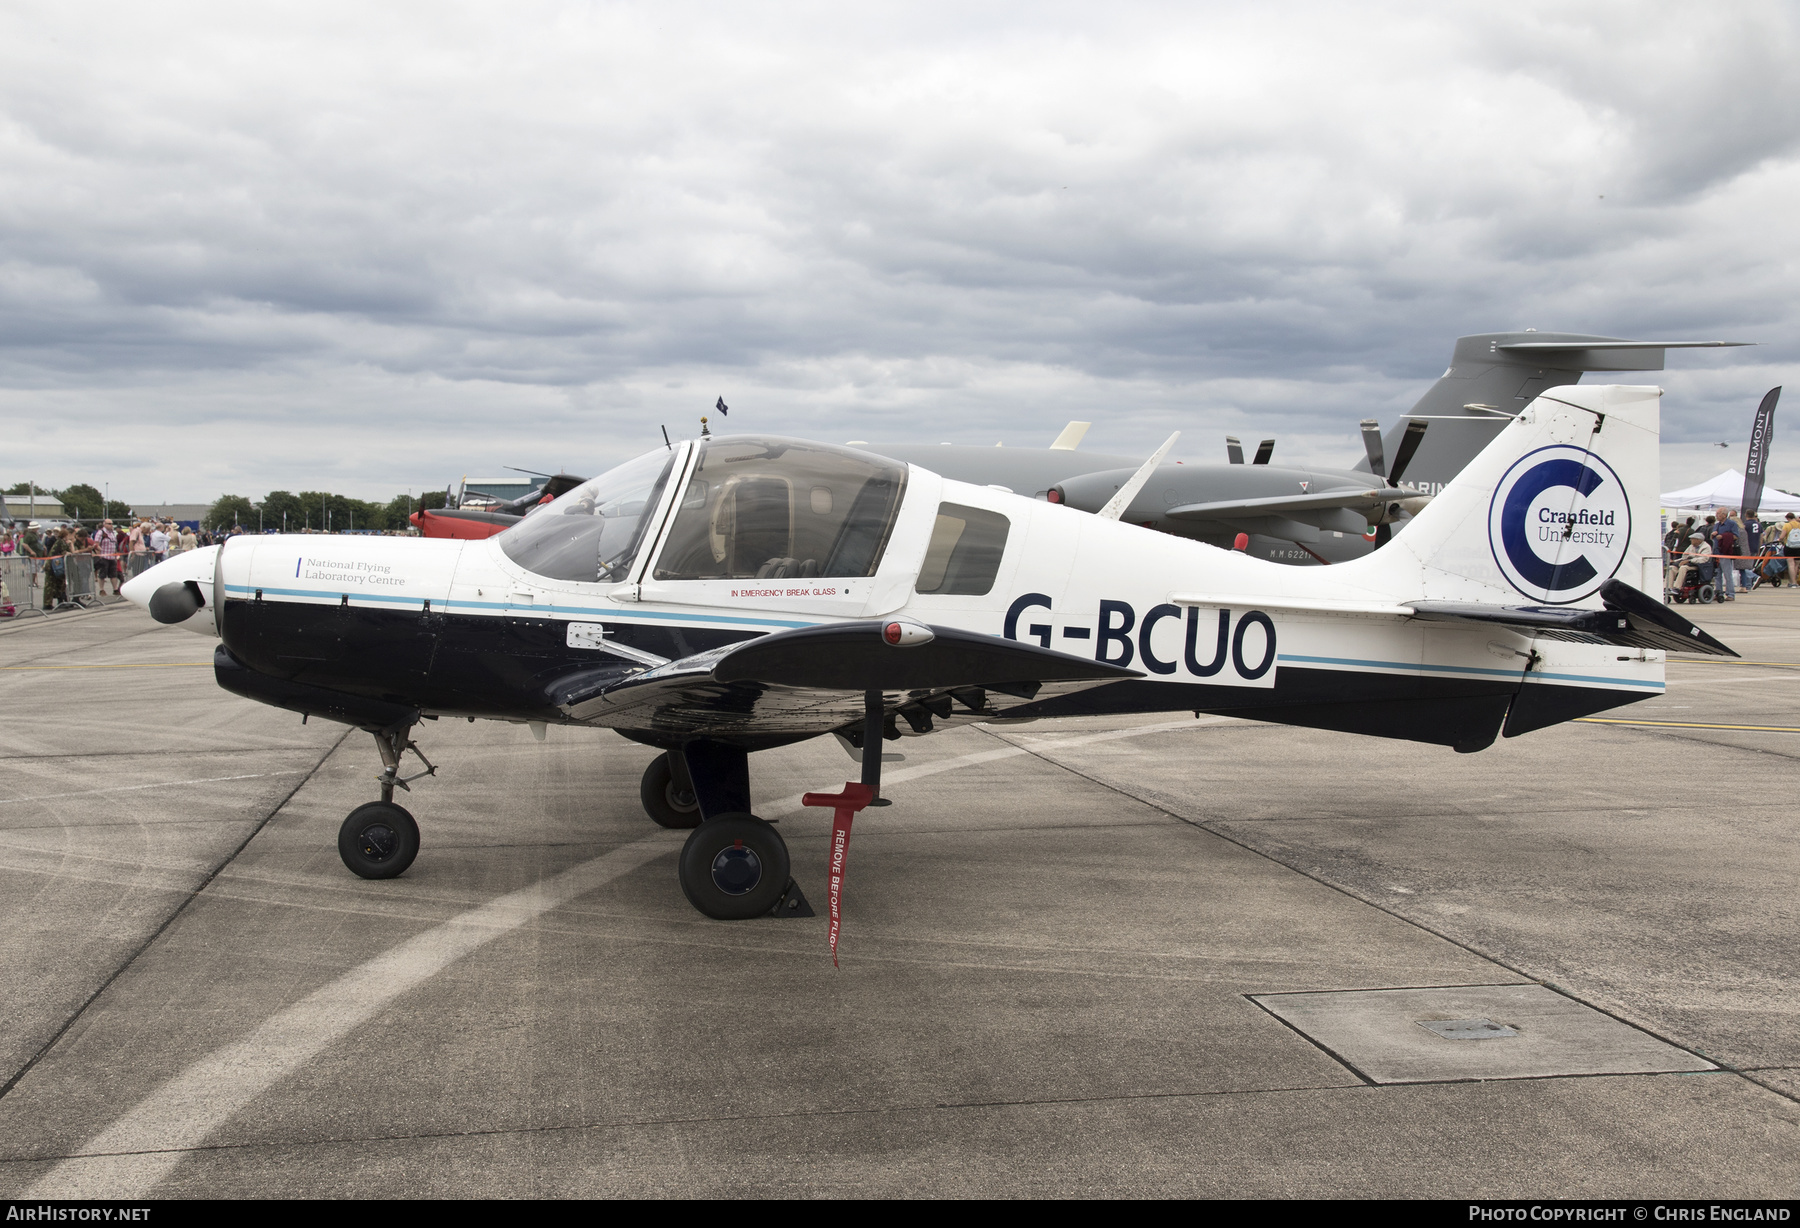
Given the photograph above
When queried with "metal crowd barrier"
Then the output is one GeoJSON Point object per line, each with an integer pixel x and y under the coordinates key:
{"type": "Point", "coordinates": [18, 586]}
{"type": "Point", "coordinates": [78, 582]}
{"type": "Point", "coordinates": [24, 581]}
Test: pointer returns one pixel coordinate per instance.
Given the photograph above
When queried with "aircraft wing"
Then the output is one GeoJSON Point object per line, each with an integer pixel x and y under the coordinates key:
{"type": "Point", "coordinates": [1274, 505]}
{"type": "Point", "coordinates": [814, 679]}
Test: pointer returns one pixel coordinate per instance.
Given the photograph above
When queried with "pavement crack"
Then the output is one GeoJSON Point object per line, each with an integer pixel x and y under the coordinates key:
{"type": "Point", "coordinates": [696, 1119]}
{"type": "Point", "coordinates": [1381, 906]}
{"type": "Point", "coordinates": [49, 1044]}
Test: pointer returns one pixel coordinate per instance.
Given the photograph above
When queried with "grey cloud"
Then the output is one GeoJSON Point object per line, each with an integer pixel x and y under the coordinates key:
{"type": "Point", "coordinates": [384, 242]}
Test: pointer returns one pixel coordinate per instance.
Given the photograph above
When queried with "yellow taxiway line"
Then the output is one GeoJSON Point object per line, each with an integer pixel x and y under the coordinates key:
{"type": "Point", "coordinates": [1607, 720]}
{"type": "Point", "coordinates": [151, 665]}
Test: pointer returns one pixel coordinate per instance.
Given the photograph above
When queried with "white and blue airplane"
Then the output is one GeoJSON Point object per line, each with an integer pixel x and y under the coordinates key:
{"type": "Point", "coordinates": [727, 595]}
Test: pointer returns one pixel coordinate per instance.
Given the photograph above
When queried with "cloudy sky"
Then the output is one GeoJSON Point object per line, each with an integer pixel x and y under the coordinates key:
{"type": "Point", "coordinates": [374, 247]}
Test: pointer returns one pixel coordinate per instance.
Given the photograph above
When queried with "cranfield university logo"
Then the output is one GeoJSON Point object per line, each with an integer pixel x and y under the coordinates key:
{"type": "Point", "coordinates": [1559, 524]}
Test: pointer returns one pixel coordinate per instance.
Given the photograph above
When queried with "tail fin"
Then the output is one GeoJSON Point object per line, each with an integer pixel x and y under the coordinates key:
{"type": "Point", "coordinates": [1563, 499]}
{"type": "Point", "coordinates": [1494, 375]}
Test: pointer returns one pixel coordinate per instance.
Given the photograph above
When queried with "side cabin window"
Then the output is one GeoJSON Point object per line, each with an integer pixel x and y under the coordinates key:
{"type": "Point", "coordinates": [964, 555]}
{"type": "Point", "coordinates": [771, 509]}
{"type": "Point", "coordinates": [594, 532]}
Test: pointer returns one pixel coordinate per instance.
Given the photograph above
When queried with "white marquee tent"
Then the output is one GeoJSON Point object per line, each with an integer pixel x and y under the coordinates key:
{"type": "Point", "coordinates": [1727, 490]}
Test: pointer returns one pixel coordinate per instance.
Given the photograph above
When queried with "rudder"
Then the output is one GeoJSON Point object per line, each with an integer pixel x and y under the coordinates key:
{"type": "Point", "coordinates": [1562, 500]}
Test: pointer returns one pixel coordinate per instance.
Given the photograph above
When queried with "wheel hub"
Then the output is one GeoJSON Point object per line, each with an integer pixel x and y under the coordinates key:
{"type": "Point", "coordinates": [378, 841]}
{"type": "Point", "coordinates": [736, 870]}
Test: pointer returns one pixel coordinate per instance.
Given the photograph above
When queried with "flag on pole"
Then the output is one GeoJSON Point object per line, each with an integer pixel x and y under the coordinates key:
{"type": "Point", "coordinates": [722, 407]}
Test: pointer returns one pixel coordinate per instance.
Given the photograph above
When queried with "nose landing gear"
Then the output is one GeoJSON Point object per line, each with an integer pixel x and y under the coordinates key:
{"type": "Point", "coordinates": [380, 839]}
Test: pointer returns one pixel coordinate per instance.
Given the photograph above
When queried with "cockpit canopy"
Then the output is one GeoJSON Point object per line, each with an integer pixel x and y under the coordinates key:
{"type": "Point", "coordinates": [592, 533]}
{"type": "Point", "coordinates": [753, 508]}
{"type": "Point", "coordinates": [779, 508]}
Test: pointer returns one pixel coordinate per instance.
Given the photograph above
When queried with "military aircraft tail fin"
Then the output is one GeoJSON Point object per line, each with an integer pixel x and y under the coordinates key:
{"type": "Point", "coordinates": [1493, 376]}
{"type": "Point", "coordinates": [1564, 499]}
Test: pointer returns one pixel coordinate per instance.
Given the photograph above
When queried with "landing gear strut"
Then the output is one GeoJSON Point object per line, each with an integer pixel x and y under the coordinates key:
{"type": "Point", "coordinates": [735, 866]}
{"type": "Point", "coordinates": [380, 839]}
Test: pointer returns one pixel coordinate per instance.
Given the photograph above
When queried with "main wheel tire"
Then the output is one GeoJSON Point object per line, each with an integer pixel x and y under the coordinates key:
{"type": "Point", "coordinates": [663, 798]}
{"type": "Point", "coordinates": [378, 840]}
{"type": "Point", "coordinates": [734, 867]}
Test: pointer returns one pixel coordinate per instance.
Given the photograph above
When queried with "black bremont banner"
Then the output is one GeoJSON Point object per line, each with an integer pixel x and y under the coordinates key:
{"type": "Point", "coordinates": [1762, 434]}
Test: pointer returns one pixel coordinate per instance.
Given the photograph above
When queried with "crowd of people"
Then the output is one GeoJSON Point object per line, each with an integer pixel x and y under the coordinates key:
{"type": "Point", "coordinates": [117, 554]}
{"type": "Point", "coordinates": [1729, 553]}
{"type": "Point", "coordinates": [1721, 550]}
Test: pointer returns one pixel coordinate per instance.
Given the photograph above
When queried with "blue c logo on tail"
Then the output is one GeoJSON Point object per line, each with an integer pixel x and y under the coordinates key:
{"type": "Point", "coordinates": [1559, 524]}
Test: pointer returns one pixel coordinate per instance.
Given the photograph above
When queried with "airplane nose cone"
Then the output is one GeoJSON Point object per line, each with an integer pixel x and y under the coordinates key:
{"type": "Point", "coordinates": [193, 565]}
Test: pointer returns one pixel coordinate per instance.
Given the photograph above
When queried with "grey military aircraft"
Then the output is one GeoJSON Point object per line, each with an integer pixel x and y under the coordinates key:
{"type": "Point", "coordinates": [1314, 515]}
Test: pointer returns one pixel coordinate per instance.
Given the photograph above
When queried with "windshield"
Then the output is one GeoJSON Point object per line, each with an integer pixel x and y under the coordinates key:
{"type": "Point", "coordinates": [593, 532]}
{"type": "Point", "coordinates": [780, 509]}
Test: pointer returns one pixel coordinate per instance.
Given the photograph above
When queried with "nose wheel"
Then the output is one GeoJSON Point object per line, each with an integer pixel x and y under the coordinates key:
{"type": "Point", "coordinates": [734, 867]}
{"type": "Point", "coordinates": [378, 840]}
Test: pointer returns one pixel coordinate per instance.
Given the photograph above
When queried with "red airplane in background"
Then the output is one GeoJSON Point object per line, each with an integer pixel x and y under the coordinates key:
{"type": "Point", "coordinates": [473, 524]}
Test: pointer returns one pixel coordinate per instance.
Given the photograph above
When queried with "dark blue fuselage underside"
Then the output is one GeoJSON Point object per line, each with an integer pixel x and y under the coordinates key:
{"type": "Point", "coordinates": [520, 668]}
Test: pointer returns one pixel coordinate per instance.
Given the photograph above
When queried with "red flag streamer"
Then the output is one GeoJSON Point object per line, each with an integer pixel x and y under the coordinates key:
{"type": "Point", "coordinates": [844, 807]}
{"type": "Point", "coordinates": [840, 851]}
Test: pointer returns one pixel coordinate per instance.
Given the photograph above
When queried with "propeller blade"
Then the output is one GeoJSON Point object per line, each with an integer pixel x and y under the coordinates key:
{"type": "Point", "coordinates": [1409, 444]}
{"type": "Point", "coordinates": [1371, 430]}
{"type": "Point", "coordinates": [1383, 532]}
{"type": "Point", "coordinates": [1234, 451]}
{"type": "Point", "coordinates": [1115, 506]}
{"type": "Point", "coordinates": [1264, 451]}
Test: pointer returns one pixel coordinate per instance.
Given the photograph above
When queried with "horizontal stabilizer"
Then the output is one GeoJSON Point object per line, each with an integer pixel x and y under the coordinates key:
{"type": "Point", "coordinates": [1631, 618]}
{"type": "Point", "coordinates": [1231, 509]}
{"type": "Point", "coordinates": [1604, 344]}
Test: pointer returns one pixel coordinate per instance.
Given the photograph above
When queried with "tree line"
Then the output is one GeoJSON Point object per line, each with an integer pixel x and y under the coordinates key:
{"type": "Point", "coordinates": [310, 509]}
{"type": "Point", "coordinates": [81, 501]}
{"type": "Point", "coordinates": [316, 509]}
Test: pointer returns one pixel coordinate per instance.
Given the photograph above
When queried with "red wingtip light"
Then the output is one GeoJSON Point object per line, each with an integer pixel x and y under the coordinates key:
{"type": "Point", "coordinates": [904, 633]}
{"type": "Point", "coordinates": [1053, 495]}
{"type": "Point", "coordinates": [1242, 542]}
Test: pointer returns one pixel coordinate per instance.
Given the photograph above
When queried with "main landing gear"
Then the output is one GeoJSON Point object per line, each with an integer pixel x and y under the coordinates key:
{"type": "Point", "coordinates": [380, 839]}
{"type": "Point", "coordinates": [668, 794]}
{"type": "Point", "coordinates": [735, 866]}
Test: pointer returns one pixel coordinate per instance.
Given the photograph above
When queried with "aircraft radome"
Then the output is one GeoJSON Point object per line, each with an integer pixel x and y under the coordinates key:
{"type": "Point", "coordinates": [732, 594]}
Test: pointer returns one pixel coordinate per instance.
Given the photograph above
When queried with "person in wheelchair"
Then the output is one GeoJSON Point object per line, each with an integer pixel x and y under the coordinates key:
{"type": "Point", "coordinates": [1695, 561]}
